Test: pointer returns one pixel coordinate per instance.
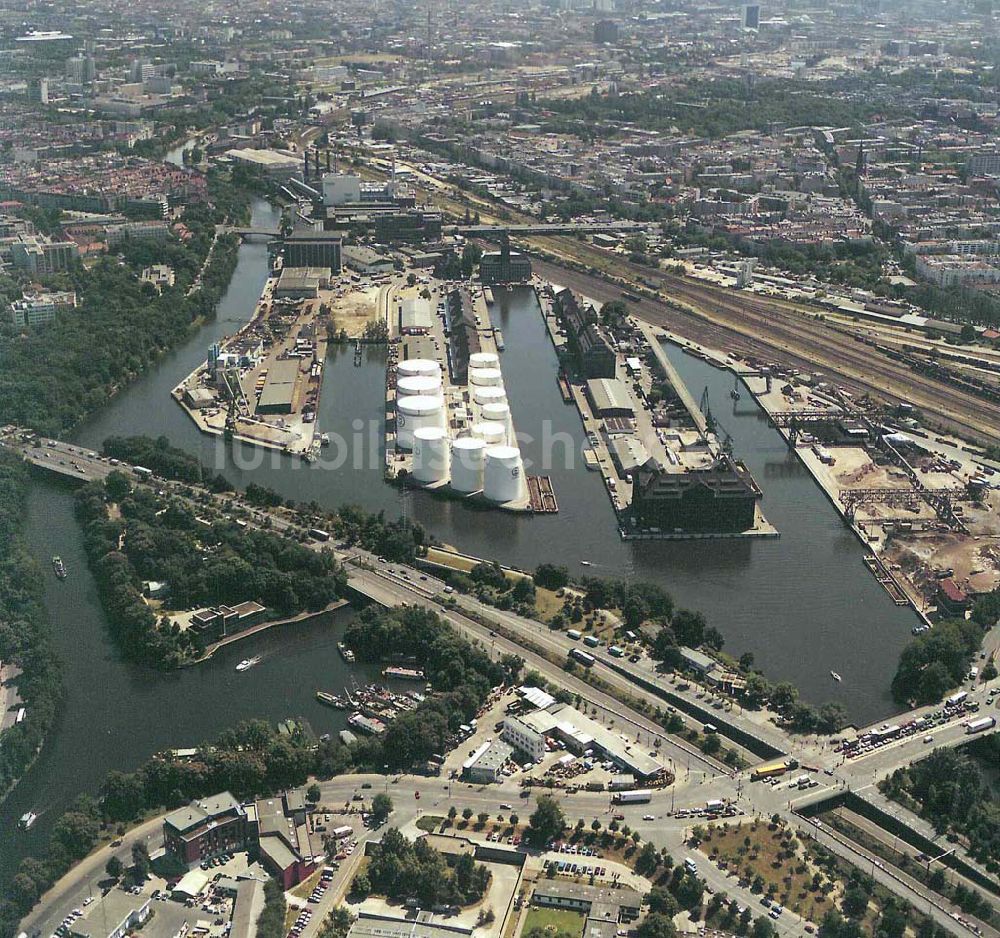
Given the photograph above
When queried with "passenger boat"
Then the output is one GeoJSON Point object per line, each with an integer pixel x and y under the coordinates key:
{"type": "Point", "coordinates": [247, 663]}
{"type": "Point", "coordinates": [59, 567]}
{"type": "Point", "coordinates": [835, 676]}
{"type": "Point", "coordinates": [345, 653]}
{"type": "Point", "coordinates": [331, 700]}
{"type": "Point", "coordinates": [585, 563]}
{"type": "Point", "coordinates": [403, 674]}
{"type": "Point", "coordinates": [27, 820]}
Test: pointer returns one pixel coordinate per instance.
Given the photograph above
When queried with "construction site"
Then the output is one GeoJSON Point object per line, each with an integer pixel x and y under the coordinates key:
{"type": "Point", "coordinates": [921, 502]}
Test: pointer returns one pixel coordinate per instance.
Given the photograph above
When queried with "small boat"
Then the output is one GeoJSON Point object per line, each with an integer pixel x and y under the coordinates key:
{"type": "Point", "coordinates": [585, 563]}
{"type": "Point", "coordinates": [59, 567]}
{"type": "Point", "coordinates": [735, 395]}
{"type": "Point", "coordinates": [27, 820]}
{"type": "Point", "coordinates": [331, 700]}
{"type": "Point", "coordinates": [345, 652]}
{"type": "Point", "coordinates": [835, 676]}
{"type": "Point", "coordinates": [404, 674]}
{"type": "Point", "coordinates": [324, 439]}
{"type": "Point", "coordinates": [247, 663]}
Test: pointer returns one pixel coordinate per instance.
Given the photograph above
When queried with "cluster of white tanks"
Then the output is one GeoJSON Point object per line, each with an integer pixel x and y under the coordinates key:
{"type": "Point", "coordinates": [419, 399]}
{"type": "Point", "coordinates": [484, 461]}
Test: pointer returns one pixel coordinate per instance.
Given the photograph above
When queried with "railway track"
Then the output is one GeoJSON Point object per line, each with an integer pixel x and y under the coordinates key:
{"type": "Point", "coordinates": [747, 326]}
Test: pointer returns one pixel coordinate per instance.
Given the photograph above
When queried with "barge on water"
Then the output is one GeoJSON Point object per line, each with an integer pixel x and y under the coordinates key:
{"type": "Point", "coordinates": [369, 725]}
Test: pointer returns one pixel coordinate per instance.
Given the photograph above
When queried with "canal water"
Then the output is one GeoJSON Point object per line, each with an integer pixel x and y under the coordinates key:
{"type": "Point", "coordinates": [803, 604]}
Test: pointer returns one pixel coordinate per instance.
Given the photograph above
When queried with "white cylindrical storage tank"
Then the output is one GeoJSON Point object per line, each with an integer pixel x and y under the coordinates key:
{"type": "Point", "coordinates": [483, 360]}
{"type": "Point", "coordinates": [503, 474]}
{"type": "Point", "coordinates": [418, 384]}
{"type": "Point", "coordinates": [414, 413]}
{"type": "Point", "coordinates": [430, 454]}
{"type": "Point", "coordinates": [497, 412]}
{"type": "Point", "coordinates": [467, 457]}
{"type": "Point", "coordinates": [491, 432]}
{"type": "Point", "coordinates": [490, 395]}
{"type": "Point", "coordinates": [485, 377]}
{"type": "Point", "coordinates": [417, 366]}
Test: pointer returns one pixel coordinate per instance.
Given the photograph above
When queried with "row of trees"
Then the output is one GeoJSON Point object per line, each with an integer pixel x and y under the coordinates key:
{"type": "Point", "coordinates": [165, 460]}
{"type": "Point", "coordinates": [158, 538]}
{"type": "Point", "coordinates": [935, 662]}
{"type": "Point", "coordinates": [951, 790]}
{"type": "Point", "coordinates": [25, 638]}
{"type": "Point", "coordinates": [650, 605]}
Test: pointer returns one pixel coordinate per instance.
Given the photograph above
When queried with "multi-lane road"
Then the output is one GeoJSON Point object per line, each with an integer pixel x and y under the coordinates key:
{"type": "Point", "coordinates": [704, 778]}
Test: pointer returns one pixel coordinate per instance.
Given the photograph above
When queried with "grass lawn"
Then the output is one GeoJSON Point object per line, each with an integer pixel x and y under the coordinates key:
{"type": "Point", "coordinates": [456, 561]}
{"type": "Point", "coordinates": [554, 921]}
{"type": "Point", "coordinates": [306, 886]}
{"type": "Point", "coordinates": [547, 604]}
{"type": "Point", "coordinates": [755, 850]}
{"type": "Point", "coordinates": [431, 823]}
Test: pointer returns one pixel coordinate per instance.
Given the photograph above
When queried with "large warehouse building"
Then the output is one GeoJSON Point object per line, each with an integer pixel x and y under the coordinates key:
{"type": "Point", "coordinates": [278, 394]}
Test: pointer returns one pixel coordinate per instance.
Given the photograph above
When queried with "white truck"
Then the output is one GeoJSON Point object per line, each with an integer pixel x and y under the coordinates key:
{"type": "Point", "coordinates": [983, 723]}
{"type": "Point", "coordinates": [639, 796]}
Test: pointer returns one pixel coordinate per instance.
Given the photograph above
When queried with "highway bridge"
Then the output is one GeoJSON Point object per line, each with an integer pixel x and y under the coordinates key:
{"type": "Point", "coordinates": [62, 459]}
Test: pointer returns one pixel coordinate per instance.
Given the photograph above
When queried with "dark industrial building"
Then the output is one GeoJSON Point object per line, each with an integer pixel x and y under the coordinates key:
{"type": "Point", "coordinates": [504, 266]}
{"type": "Point", "coordinates": [606, 31]}
{"type": "Point", "coordinates": [408, 227]}
{"type": "Point", "coordinates": [719, 499]}
{"type": "Point", "coordinates": [463, 333]}
{"type": "Point", "coordinates": [307, 247]}
{"type": "Point", "coordinates": [590, 346]}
